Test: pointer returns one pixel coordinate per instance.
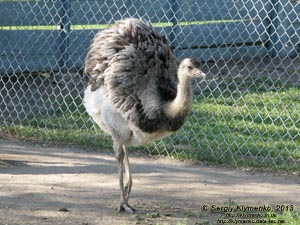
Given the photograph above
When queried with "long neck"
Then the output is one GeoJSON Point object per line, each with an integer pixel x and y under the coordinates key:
{"type": "Point", "coordinates": [182, 104]}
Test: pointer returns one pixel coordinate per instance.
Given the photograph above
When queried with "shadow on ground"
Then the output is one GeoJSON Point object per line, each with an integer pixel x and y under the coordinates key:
{"type": "Point", "coordinates": [50, 185]}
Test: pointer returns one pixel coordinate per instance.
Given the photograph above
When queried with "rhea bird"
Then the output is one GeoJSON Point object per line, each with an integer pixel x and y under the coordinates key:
{"type": "Point", "coordinates": [137, 91]}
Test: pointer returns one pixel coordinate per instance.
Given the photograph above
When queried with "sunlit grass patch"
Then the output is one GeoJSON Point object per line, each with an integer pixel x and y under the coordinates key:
{"type": "Point", "coordinates": [252, 129]}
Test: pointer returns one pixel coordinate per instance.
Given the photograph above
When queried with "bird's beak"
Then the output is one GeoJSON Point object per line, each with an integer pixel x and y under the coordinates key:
{"type": "Point", "coordinates": [201, 74]}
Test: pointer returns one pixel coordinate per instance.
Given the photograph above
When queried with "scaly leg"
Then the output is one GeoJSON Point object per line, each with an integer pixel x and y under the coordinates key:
{"type": "Point", "coordinates": [128, 174]}
{"type": "Point", "coordinates": [125, 191]}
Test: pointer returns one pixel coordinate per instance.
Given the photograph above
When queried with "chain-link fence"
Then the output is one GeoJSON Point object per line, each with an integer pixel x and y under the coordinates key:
{"type": "Point", "coordinates": [246, 112]}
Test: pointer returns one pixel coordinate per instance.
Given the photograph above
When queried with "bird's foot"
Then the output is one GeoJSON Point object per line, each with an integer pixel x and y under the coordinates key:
{"type": "Point", "coordinates": [124, 207]}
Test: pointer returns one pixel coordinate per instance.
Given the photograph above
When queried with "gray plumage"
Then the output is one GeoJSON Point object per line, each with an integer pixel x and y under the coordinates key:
{"type": "Point", "coordinates": [137, 65]}
{"type": "Point", "coordinates": [137, 92]}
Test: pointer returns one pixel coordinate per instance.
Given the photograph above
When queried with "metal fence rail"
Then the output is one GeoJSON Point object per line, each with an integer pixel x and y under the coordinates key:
{"type": "Point", "coordinates": [247, 111]}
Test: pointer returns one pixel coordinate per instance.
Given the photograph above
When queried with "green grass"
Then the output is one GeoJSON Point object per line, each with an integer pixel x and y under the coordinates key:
{"type": "Point", "coordinates": [69, 124]}
{"type": "Point", "coordinates": [285, 217]}
{"type": "Point", "coordinates": [103, 26]}
{"type": "Point", "coordinates": [290, 218]}
{"type": "Point", "coordinates": [259, 129]}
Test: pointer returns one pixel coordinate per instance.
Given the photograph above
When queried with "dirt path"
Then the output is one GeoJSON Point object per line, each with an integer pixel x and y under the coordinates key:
{"type": "Point", "coordinates": [49, 185]}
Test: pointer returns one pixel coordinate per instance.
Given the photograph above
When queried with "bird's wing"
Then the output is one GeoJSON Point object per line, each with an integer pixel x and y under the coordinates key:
{"type": "Point", "coordinates": [138, 67]}
{"type": "Point", "coordinates": [103, 48]}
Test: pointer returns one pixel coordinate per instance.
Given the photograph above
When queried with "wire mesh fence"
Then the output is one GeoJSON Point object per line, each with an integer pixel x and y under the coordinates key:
{"type": "Point", "coordinates": [246, 112]}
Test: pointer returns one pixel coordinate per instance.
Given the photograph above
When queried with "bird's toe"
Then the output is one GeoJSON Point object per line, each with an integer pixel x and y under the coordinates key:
{"type": "Point", "coordinates": [126, 208]}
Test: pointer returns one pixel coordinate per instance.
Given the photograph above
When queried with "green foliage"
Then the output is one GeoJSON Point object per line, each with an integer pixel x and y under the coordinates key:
{"type": "Point", "coordinates": [254, 129]}
{"type": "Point", "coordinates": [288, 217]}
{"type": "Point", "coordinates": [258, 129]}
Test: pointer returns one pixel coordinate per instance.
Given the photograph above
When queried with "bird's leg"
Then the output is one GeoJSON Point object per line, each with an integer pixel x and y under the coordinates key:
{"type": "Point", "coordinates": [125, 191]}
{"type": "Point", "coordinates": [128, 184]}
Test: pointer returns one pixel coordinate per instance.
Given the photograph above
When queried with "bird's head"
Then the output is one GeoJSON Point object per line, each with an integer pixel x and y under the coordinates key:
{"type": "Point", "coordinates": [190, 67]}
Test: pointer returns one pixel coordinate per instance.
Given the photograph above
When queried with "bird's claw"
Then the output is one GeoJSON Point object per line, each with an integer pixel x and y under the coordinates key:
{"type": "Point", "coordinates": [124, 207]}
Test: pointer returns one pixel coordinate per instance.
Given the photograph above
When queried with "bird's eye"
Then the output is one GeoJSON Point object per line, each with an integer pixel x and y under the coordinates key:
{"type": "Point", "coordinates": [190, 67]}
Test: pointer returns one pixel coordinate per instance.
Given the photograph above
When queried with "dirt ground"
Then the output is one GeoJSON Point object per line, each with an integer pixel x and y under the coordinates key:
{"type": "Point", "coordinates": [43, 185]}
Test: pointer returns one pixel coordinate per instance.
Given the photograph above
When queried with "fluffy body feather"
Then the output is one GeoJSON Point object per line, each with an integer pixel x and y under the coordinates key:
{"type": "Point", "coordinates": [137, 93]}
{"type": "Point", "coordinates": [132, 67]}
{"type": "Point", "coordinates": [105, 114]}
